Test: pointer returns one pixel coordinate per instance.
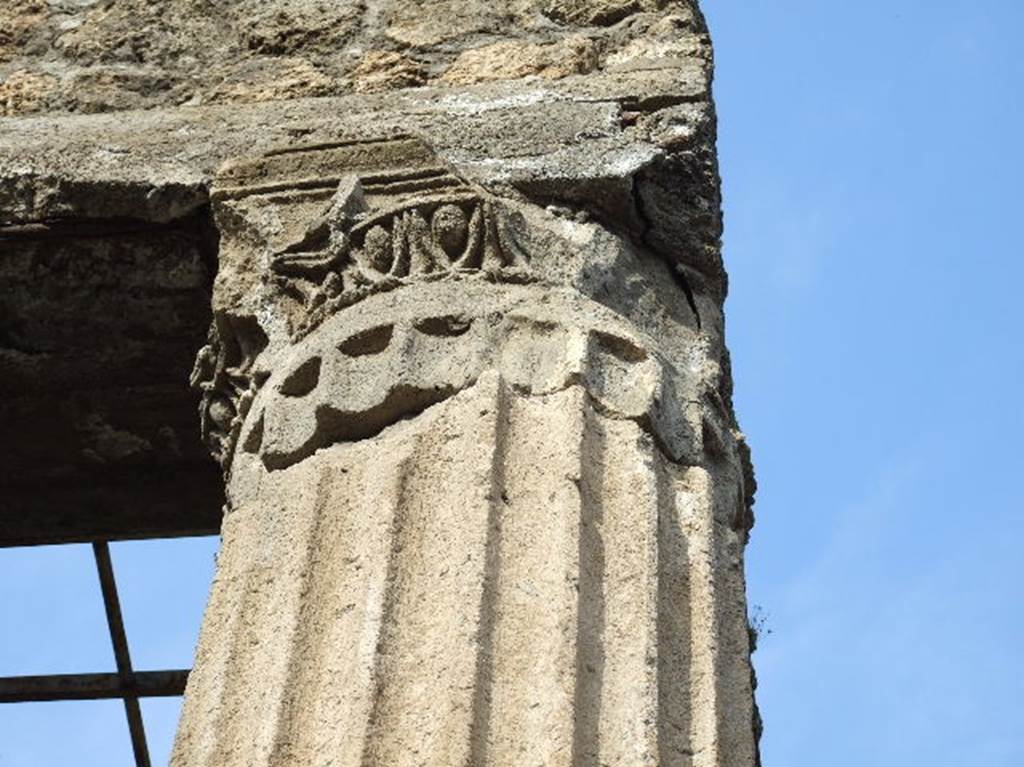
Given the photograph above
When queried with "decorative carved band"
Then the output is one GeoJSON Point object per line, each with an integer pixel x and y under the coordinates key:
{"type": "Point", "coordinates": [424, 238]}
{"type": "Point", "coordinates": [342, 221]}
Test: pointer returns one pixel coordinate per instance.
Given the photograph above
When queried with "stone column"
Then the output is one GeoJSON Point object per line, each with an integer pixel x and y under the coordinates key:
{"type": "Point", "coordinates": [487, 503]}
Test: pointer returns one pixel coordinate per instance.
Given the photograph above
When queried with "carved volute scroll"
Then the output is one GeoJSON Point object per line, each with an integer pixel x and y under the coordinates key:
{"type": "Point", "coordinates": [223, 375]}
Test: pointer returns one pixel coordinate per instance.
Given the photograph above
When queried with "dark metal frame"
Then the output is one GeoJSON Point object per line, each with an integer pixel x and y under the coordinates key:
{"type": "Point", "coordinates": [127, 684]}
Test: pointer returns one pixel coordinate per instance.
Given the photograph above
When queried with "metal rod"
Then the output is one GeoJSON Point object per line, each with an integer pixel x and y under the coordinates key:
{"type": "Point", "coordinates": [115, 623]}
{"type": "Point", "coordinates": [148, 684]}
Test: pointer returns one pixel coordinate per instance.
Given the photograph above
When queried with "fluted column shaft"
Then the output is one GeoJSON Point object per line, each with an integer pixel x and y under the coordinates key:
{"type": "Point", "coordinates": [486, 498]}
{"type": "Point", "coordinates": [514, 575]}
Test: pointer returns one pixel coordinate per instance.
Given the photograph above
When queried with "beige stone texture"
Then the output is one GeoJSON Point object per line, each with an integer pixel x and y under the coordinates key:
{"type": "Point", "coordinates": [22, 23]}
{"type": "Point", "coordinates": [387, 70]}
{"type": "Point", "coordinates": [24, 91]}
{"type": "Point", "coordinates": [509, 61]}
{"type": "Point", "coordinates": [284, 77]}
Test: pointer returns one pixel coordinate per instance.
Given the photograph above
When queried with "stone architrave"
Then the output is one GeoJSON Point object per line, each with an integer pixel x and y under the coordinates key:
{"type": "Point", "coordinates": [486, 503]}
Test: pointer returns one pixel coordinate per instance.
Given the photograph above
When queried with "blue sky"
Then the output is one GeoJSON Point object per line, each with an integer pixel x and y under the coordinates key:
{"type": "Point", "coordinates": [54, 623]}
{"type": "Point", "coordinates": [872, 165]}
{"type": "Point", "coordinates": [872, 162]}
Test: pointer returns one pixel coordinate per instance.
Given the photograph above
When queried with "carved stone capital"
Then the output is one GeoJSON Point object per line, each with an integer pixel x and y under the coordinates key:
{"type": "Point", "coordinates": [372, 264]}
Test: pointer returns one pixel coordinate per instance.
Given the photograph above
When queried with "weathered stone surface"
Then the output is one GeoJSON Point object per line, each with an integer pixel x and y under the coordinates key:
{"type": "Point", "coordinates": [466, 376]}
{"type": "Point", "coordinates": [510, 61]}
{"type": "Point", "coordinates": [24, 91]}
{"type": "Point", "coordinates": [110, 55]}
{"type": "Point", "coordinates": [387, 70]}
{"type": "Point", "coordinates": [98, 327]}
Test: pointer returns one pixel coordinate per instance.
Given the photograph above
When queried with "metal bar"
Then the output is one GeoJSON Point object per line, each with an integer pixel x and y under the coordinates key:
{"type": "Point", "coordinates": [148, 684]}
{"type": "Point", "coordinates": [115, 623]}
